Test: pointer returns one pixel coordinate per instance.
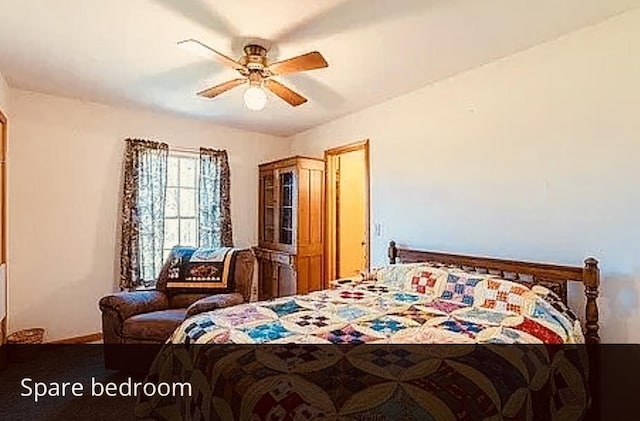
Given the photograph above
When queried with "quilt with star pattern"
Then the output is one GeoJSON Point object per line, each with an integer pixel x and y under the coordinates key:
{"type": "Point", "coordinates": [415, 342]}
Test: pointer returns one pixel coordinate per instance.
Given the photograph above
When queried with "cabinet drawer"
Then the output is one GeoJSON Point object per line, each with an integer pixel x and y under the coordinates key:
{"type": "Point", "coordinates": [283, 259]}
{"type": "Point", "coordinates": [274, 256]}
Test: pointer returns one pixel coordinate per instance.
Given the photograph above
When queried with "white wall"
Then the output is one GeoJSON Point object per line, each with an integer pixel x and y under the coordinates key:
{"type": "Point", "coordinates": [534, 156]}
{"type": "Point", "coordinates": [4, 95]}
{"type": "Point", "coordinates": [64, 182]}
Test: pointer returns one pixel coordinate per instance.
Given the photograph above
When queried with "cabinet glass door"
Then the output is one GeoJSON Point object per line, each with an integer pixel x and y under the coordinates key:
{"type": "Point", "coordinates": [286, 183]}
{"type": "Point", "coordinates": [269, 210]}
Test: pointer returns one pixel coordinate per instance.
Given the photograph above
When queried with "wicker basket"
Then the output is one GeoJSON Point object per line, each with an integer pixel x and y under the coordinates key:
{"type": "Point", "coordinates": [26, 336]}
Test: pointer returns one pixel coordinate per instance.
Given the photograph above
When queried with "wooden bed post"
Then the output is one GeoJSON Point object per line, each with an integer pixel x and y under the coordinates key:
{"type": "Point", "coordinates": [591, 279]}
{"type": "Point", "coordinates": [392, 252]}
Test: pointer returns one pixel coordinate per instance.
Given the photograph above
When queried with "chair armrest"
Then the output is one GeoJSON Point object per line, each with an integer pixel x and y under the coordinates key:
{"type": "Point", "coordinates": [213, 302]}
{"type": "Point", "coordinates": [128, 304]}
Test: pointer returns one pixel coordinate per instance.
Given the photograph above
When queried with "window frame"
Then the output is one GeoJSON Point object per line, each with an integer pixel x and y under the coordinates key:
{"type": "Point", "coordinates": [179, 157]}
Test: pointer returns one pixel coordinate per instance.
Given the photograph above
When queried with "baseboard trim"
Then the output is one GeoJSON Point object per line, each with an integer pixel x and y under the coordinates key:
{"type": "Point", "coordinates": [94, 337]}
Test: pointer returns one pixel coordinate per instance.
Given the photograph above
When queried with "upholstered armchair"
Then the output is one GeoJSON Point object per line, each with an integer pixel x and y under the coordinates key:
{"type": "Point", "coordinates": [151, 316]}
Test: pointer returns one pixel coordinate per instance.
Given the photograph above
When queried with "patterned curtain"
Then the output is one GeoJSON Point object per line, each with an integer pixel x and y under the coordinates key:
{"type": "Point", "coordinates": [215, 206]}
{"type": "Point", "coordinates": [143, 201]}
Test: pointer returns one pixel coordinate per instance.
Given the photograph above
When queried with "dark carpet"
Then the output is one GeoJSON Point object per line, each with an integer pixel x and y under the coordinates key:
{"type": "Point", "coordinates": [70, 363]}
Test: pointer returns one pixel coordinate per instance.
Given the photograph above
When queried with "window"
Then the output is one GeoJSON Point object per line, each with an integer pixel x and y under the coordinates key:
{"type": "Point", "coordinates": [181, 206]}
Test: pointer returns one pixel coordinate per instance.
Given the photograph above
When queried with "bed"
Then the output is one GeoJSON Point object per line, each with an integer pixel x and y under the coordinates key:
{"type": "Point", "coordinates": [430, 336]}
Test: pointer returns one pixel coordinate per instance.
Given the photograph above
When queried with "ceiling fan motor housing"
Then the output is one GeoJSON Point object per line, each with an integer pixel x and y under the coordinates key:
{"type": "Point", "coordinates": [255, 57]}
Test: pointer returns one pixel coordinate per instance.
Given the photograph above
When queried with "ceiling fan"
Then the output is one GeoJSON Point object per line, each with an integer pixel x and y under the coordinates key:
{"type": "Point", "coordinates": [256, 70]}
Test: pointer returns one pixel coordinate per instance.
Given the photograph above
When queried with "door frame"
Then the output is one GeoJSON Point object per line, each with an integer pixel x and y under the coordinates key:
{"type": "Point", "coordinates": [331, 246]}
{"type": "Point", "coordinates": [3, 186]}
{"type": "Point", "coordinates": [3, 237]}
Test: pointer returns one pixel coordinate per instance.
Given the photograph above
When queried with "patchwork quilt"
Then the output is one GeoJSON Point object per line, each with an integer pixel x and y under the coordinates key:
{"type": "Point", "coordinates": [416, 342]}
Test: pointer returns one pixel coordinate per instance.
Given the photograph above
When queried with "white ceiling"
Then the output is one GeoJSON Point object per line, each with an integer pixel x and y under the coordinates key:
{"type": "Point", "coordinates": [123, 52]}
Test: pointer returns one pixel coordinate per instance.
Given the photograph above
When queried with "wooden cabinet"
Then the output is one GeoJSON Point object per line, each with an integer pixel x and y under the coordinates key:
{"type": "Point", "coordinates": [290, 228]}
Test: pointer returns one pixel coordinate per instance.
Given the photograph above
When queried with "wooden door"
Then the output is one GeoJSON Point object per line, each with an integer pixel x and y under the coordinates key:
{"type": "Point", "coordinates": [347, 210]}
{"type": "Point", "coordinates": [309, 259]}
{"type": "Point", "coordinates": [286, 205]}
{"type": "Point", "coordinates": [268, 210]}
{"type": "Point", "coordinates": [286, 279]}
{"type": "Point", "coordinates": [266, 287]}
{"type": "Point", "coordinates": [277, 279]}
{"type": "Point", "coordinates": [351, 215]}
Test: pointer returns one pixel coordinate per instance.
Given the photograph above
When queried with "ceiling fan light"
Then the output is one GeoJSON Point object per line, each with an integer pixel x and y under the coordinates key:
{"type": "Point", "coordinates": [255, 98]}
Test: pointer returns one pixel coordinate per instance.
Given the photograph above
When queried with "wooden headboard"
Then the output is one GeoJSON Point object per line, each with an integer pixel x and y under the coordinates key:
{"type": "Point", "coordinates": [554, 277]}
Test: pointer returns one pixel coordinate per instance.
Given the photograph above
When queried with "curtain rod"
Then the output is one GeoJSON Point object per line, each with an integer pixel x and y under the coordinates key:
{"type": "Point", "coordinates": [183, 149]}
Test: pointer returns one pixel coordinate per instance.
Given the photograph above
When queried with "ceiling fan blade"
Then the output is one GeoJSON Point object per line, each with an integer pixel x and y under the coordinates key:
{"type": "Point", "coordinates": [205, 51]}
{"type": "Point", "coordinates": [222, 88]}
{"type": "Point", "coordinates": [293, 98]}
{"type": "Point", "coordinates": [309, 61]}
